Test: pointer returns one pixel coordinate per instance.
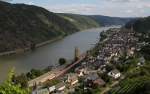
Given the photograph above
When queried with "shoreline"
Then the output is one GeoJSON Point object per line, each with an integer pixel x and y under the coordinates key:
{"type": "Point", "coordinates": [24, 70]}
{"type": "Point", "coordinates": [23, 50]}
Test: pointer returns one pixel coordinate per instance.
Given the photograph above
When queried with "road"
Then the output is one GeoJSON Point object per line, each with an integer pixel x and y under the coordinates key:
{"type": "Point", "coordinates": [55, 73]}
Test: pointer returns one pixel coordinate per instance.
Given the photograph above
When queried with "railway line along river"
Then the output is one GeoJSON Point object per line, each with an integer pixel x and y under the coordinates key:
{"type": "Point", "coordinates": [49, 54]}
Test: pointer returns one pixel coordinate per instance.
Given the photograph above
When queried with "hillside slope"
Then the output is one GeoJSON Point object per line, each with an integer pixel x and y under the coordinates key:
{"type": "Point", "coordinates": [140, 25]}
{"type": "Point", "coordinates": [80, 21]}
{"type": "Point", "coordinates": [23, 25]}
{"type": "Point", "coordinates": [88, 21]}
{"type": "Point", "coordinates": [106, 20]}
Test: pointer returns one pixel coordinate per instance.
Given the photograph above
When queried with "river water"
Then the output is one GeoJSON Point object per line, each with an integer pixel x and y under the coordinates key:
{"type": "Point", "coordinates": [49, 54]}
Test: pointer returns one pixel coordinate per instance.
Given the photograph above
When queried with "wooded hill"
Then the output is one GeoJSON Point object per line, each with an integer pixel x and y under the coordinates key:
{"type": "Point", "coordinates": [106, 20]}
{"type": "Point", "coordinates": [140, 25]}
{"type": "Point", "coordinates": [80, 21]}
{"type": "Point", "coordinates": [22, 25]}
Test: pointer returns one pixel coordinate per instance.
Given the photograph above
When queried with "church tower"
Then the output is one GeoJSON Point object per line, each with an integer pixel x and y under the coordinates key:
{"type": "Point", "coordinates": [132, 29]}
{"type": "Point", "coordinates": [77, 53]}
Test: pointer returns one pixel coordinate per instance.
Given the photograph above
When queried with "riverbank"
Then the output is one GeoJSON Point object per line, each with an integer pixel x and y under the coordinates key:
{"type": "Point", "coordinates": [49, 54]}
{"type": "Point", "coordinates": [92, 66]}
{"type": "Point", "coordinates": [23, 50]}
{"type": "Point", "coordinates": [19, 51]}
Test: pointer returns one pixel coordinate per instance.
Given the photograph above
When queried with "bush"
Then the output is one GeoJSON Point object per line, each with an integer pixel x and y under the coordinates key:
{"type": "Point", "coordinates": [62, 61]}
{"type": "Point", "coordinates": [22, 80]}
{"type": "Point", "coordinates": [8, 87]}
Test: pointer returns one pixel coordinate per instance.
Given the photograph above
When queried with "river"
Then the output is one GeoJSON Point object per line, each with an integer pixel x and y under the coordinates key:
{"type": "Point", "coordinates": [49, 54]}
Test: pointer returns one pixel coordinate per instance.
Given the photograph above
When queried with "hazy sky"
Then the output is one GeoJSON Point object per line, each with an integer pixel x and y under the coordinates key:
{"type": "Point", "coordinates": [121, 8]}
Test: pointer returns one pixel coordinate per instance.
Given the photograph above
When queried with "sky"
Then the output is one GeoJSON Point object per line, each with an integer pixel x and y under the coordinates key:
{"type": "Point", "coordinates": [117, 8]}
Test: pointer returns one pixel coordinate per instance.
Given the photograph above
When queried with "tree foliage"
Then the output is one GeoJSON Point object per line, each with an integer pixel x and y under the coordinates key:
{"type": "Point", "coordinates": [8, 87]}
{"type": "Point", "coordinates": [62, 61]}
{"type": "Point", "coordinates": [34, 73]}
{"type": "Point", "coordinates": [21, 79]}
{"type": "Point", "coordinates": [146, 51]}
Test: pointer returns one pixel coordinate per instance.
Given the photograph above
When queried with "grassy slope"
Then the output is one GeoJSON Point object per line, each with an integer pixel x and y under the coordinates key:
{"type": "Point", "coordinates": [80, 21]}
{"type": "Point", "coordinates": [88, 21]}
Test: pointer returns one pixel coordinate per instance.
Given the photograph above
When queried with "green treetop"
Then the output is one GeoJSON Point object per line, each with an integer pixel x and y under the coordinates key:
{"type": "Point", "coordinates": [8, 87]}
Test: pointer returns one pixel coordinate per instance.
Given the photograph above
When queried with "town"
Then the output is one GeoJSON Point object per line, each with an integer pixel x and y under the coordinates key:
{"type": "Point", "coordinates": [74, 46]}
{"type": "Point", "coordinates": [94, 71]}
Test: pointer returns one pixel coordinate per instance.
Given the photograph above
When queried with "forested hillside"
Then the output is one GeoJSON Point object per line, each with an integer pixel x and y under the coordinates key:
{"type": "Point", "coordinates": [84, 21]}
{"type": "Point", "coordinates": [140, 25]}
{"type": "Point", "coordinates": [81, 21]}
{"type": "Point", "coordinates": [23, 25]}
{"type": "Point", "coordinates": [106, 20]}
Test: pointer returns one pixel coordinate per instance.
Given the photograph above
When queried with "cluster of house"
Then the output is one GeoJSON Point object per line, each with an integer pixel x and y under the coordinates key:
{"type": "Point", "coordinates": [118, 43]}
{"type": "Point", "coordinates": [49, 90]}
{"type": "Point", "coordinates": [71, 80]}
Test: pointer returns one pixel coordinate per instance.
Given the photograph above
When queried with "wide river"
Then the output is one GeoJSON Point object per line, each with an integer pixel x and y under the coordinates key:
{"type": "Point", "coordinates": [49, 54]}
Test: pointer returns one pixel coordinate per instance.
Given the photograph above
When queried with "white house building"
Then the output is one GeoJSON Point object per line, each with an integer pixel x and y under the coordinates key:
{"type": "Point", "coordinates": [114, 73]}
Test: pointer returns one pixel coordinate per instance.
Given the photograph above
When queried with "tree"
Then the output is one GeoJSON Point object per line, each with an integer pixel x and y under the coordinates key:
{"type": "Point", "coordinates": [145, 50]}
{"type": "Point", "coordinates": [34, 73]}
{"type": "Point", "coordinates": [8, 87]}
{"type": "Point", "coordinates": [109, 67]}
{"type": "Point", "coordinates": [62, 61]}
{"type": "Point", "coordinates": [105, 77]}
{"type": "Point", "coordinates": [22, 80]}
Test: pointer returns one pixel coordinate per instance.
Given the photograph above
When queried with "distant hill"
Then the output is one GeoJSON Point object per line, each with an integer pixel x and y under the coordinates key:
{"type": "Point", "coordinates": [140, 25]}
{"type": "Point", "coordinates": [80, 21]}
{"type": "Point", "coordinates": [107, 21]}
{"type": "Point", "coordinates": [95, 20]}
